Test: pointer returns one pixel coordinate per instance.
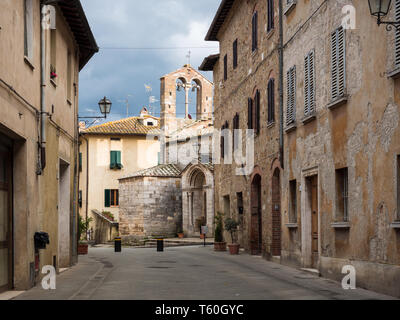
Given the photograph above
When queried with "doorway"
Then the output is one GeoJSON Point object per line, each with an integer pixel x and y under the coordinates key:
{"type": "Point", "coordinates": [312, 193]}
{"type": "Point", "coordinates": [276, 246]}
{"type": "Point", "coordinates": [256, 219]}
{"type": "Point", "coordinates": [6, 238]}
{"type": "Point", "coordinates": [64, 216]}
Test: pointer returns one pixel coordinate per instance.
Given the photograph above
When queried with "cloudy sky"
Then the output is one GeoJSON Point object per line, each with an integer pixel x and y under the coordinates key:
{"type": "Point", "coordinates": [153, 27]}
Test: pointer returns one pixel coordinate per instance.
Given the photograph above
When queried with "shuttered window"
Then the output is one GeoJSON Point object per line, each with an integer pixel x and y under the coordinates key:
{"type": "Point", "coordinates": [115, 160]}
{"type": "Point", "coordinates": [224, 127]}
{"type": "Point", "coordinates": [338, 56]}
{"type": "Point", "coordinates": [250, 114]}
{"type": "Point", "coordinates": [309, 84]}
{"type": "Point", "coordinates": [226, 67]}
{"type": "Point", "coordinates": [111, 198]}
{"type": "Point", "coordinates": [257, 112]}
{"type": "Point", "coordinates": [271, 101]}
{"type": "Point", "coordinates": [270, 23]}
{"type": "Point", "coordinates": [254, 31]}
{"type": "Point", "coordinates": [235, 54]}
{"type": "Point", "coordinates": [236, 126]}
{"type": "Point", "coordinates": [291, 96]}
{"type": "Point", "coordinates": [397, 36]}
{"type": "Point", "coordinates": [80, 161]}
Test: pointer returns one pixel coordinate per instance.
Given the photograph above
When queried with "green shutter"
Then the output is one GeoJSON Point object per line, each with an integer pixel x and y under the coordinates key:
{"type": "Point", "coordinates": [115, 160]}
{"type": "Point", "coordinates": [107, 198]}
{"type": "Point", "coordinates": [118, 160]}
{"type": "Point", "coordinates": [112, 160]}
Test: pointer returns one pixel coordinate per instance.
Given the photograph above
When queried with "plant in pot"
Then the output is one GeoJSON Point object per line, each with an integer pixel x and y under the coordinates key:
{"type": "Point", "coordinates": [231, 226]}
{"type": "Point", "coordinates": [82, 231]}
{"type": "Point", "coordinates": [219, 244]}
{"type": "Point", "coordinates": [179, 232]}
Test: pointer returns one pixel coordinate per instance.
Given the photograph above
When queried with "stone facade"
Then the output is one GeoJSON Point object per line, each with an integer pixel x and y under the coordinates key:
{"type": "Point", "coordinates": [42, 183]}
{"type": "Point", "coordinates": [150, 206]}
{"type": "Point", "coordinates": [255, 68]}
{"type": "Point", "coordinates": [361, 134]}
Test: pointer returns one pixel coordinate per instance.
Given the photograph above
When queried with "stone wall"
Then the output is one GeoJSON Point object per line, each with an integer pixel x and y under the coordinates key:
{"type": "Point", "coordinates": [253, 72]}
{"type": "Point", "coordinates": [150, 207]}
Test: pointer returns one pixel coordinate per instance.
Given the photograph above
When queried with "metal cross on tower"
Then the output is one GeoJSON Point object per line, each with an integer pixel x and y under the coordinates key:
{"type": "Point", "coordinates": [188, 56]}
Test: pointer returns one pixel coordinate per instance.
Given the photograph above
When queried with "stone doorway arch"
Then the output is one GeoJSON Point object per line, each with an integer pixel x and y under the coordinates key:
{"type": "Point", "coordinates": [198, 199]}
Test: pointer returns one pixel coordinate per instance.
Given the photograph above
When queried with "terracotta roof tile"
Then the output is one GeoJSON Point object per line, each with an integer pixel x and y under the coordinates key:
{"type": "Point", "coordinates": [163, 170]}
{"type": "Point", "coordinates": [128, 126]}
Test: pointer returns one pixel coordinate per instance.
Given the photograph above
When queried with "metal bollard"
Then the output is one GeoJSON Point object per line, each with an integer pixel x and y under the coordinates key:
{"type": "Point", "coordinates": [160, 245]}
{"type": "Point", "coordinates": [118, 244]}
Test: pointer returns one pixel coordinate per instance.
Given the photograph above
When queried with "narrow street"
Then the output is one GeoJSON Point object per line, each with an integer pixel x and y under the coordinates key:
{"type": "Point", "coordinates": [187, 273]}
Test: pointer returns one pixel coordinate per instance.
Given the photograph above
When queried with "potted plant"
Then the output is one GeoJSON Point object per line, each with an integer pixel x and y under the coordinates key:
{"type": "Point", "coordinates": [180, 233]}
{"type": "Point", "coordinates": [219, 244]}
{"type": "Point", "coordinates": [83, 227]}
{"type": "Point", "coordinates": [231, 226]}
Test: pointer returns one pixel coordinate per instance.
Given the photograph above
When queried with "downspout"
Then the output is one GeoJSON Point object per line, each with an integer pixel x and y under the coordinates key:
{"type": "Point", "coordinates": [42, 143]}
{"type": "Point", "coordinates": [87, 177]}
{"type": "Point", "coordinates": [281, 142]}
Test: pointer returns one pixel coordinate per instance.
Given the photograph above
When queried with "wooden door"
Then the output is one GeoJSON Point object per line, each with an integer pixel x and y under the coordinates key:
{"type": "Point", "coordinates": [5, 220]}
{"type": "Point", "coordinates": [314, 221]}
{"type": "Point", "coordinates": [276, 246]}
{"type": "Point", "coordinates": [256, 222]}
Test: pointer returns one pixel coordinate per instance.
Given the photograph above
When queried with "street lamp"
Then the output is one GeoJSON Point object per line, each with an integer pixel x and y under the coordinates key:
{"type": "Point", "coordinates": [105, 106]}
{"type": "Point", "coordinates": [380, 9]}
{"type": "Point", "coordinates": [105, 109]}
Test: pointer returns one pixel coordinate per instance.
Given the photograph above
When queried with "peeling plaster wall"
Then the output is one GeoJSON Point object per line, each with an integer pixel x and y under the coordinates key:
{"type": "Point", "coordinates": [362, 135]}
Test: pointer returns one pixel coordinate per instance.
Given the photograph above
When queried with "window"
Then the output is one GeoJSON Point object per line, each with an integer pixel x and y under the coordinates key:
{"type": "Point", "coordinates": [236, 126]}
{"type": "Point", "coordinates": [69, 76]}
{"type": "Point", "coordinates": [291, 96]}
{"type": "Point", "coordinates": [342, 187]}
{"type": "Point", "coordinates": [338, 58]}
{"type": "Point", "coordinates": [250, 114]}
{"type": "Point", "coordinates": [28, 29]}
{"type": "Point", "coordinates": [239, 196]}
{"type": "Point", "coordinates": [270, 23]}
{"type": "Point", "coordinates": [111, 198]}
{"type": "Point", "coordinates": [53, 53]}
{"type": "Point", "coordinates": [235, 54]}
{"type": "Point", "coordinates": [254, 113]}
{"type": "Point", "coordinates": [271, 101]}
{"type": "Point", "coordinates": [397, 35]}
{"type": "Point", "coordinates": [254, 33]}
{"type": "Point", "coordinates": [257, 111]}
{"type": "Point", "coordinates": [309, 84]}
{"type": "Point", "coordinates": [226, 67]}
{"type": "Point", "coordinates": [115, 160]}
{"type": "Point", "coordinates": [293, 201]}
{"type": "Point", "coordinates": [223, 140]}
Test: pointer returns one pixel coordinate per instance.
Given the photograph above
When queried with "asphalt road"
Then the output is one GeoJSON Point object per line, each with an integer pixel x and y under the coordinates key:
{"type": "Point", "coordinates": [187, 273]}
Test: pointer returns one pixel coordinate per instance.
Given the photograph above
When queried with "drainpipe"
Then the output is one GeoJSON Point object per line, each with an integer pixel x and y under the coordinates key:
{"type": "Point", "coordinates": [87, 177]}
{"type": "Point", "coordinates": [42, 144]}
{"type": "Point", "coordinates": [281, 142]}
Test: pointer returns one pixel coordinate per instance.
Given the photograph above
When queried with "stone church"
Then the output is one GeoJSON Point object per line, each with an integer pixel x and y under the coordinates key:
{"type": "Point", "coordinates": [178, 194]}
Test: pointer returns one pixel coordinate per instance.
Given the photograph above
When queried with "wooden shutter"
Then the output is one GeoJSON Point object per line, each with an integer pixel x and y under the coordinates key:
{"type": "Point", "coordinates": [113, 159]}
{"type": "Point", "coordinates": [107, 198]}
{"type": "Point", "coordinates": [397, 35]}
{"type": "Point", "coordinates": [309, 84]}
{"type": "Point", "coordinates": [257, 112]}
{"type": "Point", "coordinates": [250, 113]}
{"type": "Point", "coordinates": [235, 54]}
{"type": "Point", "coordinates": [338, 56]}
{"type": "Point", "coordinates": [270, 25]}
{"type": "Point", "coordinates": [226, 67]}
{"type": "Point", "coordinates": [254, 31]}
{"type": "Point", "coordinates": [271, 100]}
{"type": "Point", "coordinates": [80, 161]}
{"type": "Point", "coordinates": [118, 158]}
{"type": "Point", "coordinates": [291, 96]}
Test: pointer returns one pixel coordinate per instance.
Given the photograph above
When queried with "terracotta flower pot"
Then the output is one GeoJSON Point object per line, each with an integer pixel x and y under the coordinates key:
{"type": "Point", "coordinates": [181, 235]}
{"type": "Point", "coordinates": [234, 248]}
{"type": "Point", "coordinates": [83, 249]}
{"type": "Point", "coordinates": [202, 236]}
{"type": "Point", "coordinates": [220, 246]}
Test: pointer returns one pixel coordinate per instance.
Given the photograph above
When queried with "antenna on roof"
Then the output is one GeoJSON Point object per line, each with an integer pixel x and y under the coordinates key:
{"type": "Point", "coordinates": [126, 101]}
